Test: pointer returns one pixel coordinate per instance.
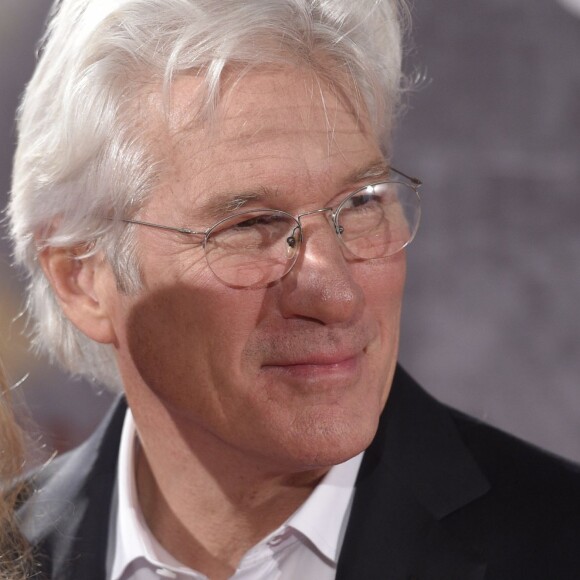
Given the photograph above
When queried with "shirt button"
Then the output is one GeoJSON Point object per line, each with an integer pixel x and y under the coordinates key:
{"type": "Point", "coordinates": [165, 573]}
{"type": "Point", "coordinates": [276, 540]}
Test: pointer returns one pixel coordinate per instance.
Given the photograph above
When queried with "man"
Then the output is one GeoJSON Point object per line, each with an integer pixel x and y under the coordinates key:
{"type": "Point", "coordinates": [204, 200]}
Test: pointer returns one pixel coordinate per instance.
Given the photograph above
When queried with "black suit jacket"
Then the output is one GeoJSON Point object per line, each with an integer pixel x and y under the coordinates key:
{"type": "Point", "coordinates": [439, 496]}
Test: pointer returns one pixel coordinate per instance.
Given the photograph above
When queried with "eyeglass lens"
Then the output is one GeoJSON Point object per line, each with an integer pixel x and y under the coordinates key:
{"type": "Point", "coordinates": [256, 248]}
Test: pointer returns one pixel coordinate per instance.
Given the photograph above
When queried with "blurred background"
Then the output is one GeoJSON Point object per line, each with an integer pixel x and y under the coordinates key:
{"type": "Point", "coordinates": [491, 322]}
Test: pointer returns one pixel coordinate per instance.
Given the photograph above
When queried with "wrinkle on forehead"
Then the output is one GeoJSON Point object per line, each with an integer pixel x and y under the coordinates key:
{"type": "Point", "coordinates": [281, 129]}
{"type": "Point", "coordinates": [183, 134]}
{"type": "Point", "coordinates": [326, 97]}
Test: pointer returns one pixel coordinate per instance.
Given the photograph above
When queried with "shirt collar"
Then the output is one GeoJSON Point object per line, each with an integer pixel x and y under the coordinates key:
{"type": "Point", "coordinates": [132, 537]}
{"type": "Point", "coordinates": [321, 520]}
{"type": "Point", "coordinates": [323, 517]}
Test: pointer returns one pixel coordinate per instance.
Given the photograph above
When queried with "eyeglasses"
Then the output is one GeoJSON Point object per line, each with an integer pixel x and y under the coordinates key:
{"type": "Point", "coordinates": [257, 247]}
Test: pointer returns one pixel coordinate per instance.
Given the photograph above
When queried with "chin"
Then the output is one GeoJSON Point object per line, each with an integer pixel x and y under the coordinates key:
{"type": "Point", "coordinates": [324, 441]}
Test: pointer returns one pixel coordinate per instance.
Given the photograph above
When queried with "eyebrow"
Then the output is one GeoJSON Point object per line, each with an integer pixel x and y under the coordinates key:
{"type": "Point", "coordinates": [377, 169]}
{"type": "Point", "coordinates": [224, 203]}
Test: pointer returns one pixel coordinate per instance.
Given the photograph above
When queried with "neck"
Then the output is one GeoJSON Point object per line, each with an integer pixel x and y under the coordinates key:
{"type": "Point", "coordinates": [208, 508]}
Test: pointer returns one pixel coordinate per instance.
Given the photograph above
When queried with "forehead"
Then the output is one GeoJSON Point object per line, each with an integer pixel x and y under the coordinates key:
{"type": "Point", "coordinates": [279, 130]}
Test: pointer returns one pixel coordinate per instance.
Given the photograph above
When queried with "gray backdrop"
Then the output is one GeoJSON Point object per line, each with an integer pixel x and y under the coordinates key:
{"type": "Point", "coordinates": [491, 321]}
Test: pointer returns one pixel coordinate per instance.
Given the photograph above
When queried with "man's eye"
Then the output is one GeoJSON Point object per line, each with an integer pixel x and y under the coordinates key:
{"type": "Point", "coordinates": [259, 220]}
{"type": "Point", "coordinates": [364, 199]}
{"type": "Point", "coordinates": [260, 225]}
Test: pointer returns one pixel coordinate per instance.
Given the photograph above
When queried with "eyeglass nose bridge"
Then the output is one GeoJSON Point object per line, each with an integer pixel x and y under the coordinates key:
{"type": "Point", "coordinates": [338, 229]}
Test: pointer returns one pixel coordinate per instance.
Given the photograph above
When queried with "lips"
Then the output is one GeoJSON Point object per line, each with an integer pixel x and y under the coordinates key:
{"type": "Point", "coordinates": [317, 352]}
{"type": "Point", "coordinates": [319, 376]}
{"type": "Point", "coordinates": [321, 368]}
{"type": "Point", "coordinates": [322, 359]}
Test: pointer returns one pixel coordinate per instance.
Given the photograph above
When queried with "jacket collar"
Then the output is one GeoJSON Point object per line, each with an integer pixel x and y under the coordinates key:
{"type": "Point", "coordinates": [67, 515]}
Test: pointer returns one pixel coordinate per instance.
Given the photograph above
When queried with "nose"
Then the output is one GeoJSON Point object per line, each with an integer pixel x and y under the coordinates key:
{"type": "Point", "coordinates": [321, 285]}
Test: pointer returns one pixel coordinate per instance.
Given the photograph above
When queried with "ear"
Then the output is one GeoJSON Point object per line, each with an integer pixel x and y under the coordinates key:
{"type": "Point", "coordinates": [85, 289]}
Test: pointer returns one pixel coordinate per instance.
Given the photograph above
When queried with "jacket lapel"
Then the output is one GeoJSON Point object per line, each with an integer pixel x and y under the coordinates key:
{"type": "Point", "coordinates": [68, 517]}
{"type": "Point", "coordinates": [415, 473]}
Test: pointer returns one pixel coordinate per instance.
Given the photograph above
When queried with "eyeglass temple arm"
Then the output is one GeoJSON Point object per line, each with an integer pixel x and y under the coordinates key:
{"type": "Point", "coordinates": [414, 180]}
{"type": "Point", "coordinates": [186, 231]}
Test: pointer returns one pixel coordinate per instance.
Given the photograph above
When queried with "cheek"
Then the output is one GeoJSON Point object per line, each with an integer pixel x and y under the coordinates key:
{"type": "Point", "coordinates": [383, 283]}
{"type": "Point", "coordinates": [180, 340]}
{"type": "Point", "coordinates": [161, 339]}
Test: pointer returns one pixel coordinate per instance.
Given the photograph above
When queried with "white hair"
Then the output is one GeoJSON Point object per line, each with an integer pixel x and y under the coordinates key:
{"type": "Point", "coordinates": [84, 152]}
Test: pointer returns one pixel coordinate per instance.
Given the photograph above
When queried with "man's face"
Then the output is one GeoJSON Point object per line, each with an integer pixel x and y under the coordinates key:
{"type": "Point", "coordinates": [292, 376]}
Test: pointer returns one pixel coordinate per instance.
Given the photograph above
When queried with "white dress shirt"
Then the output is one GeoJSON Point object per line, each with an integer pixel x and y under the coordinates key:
{"type": "Point", "coordinates": [307, 545]}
